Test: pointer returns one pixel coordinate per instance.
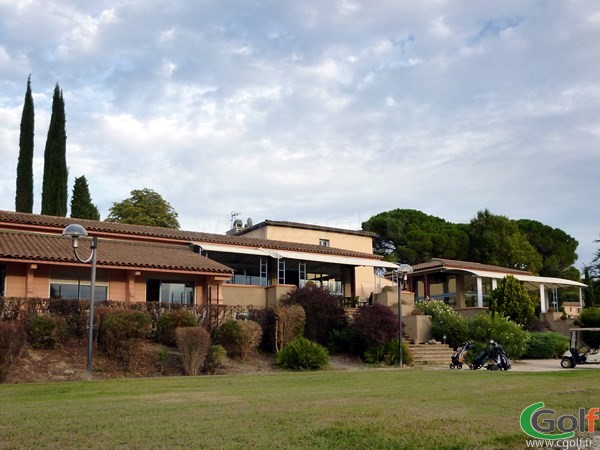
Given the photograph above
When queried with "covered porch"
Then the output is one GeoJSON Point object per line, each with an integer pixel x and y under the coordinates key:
{"type": "Point", "coordinates": [465, 285]}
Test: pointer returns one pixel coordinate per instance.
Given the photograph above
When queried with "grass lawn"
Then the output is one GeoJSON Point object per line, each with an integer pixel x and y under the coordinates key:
{"type": "Point", "coordinates": [380, 409]}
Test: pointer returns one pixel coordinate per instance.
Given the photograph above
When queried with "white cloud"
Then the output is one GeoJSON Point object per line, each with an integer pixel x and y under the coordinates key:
{"type": "Point", "coordinates": [316, 111]}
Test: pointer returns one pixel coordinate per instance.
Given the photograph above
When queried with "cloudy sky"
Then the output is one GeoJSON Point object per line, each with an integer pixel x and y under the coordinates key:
{"type": "Point", "coordinates": [324, 112]}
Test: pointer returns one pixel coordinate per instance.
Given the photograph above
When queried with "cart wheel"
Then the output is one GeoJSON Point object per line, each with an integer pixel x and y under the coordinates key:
{"type": "Point", "coordinates": [566, 363]}
{"type": "Point", "coordinates": [452, 366]}
{"type": "Point", "coordinates": [459, 366]}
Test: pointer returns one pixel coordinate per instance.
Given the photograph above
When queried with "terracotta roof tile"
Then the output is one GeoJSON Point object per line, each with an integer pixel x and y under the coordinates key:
{"type": "Point", "coordinates": [51, 224]}
{"type": "Point", "coordinates": [53, 248]}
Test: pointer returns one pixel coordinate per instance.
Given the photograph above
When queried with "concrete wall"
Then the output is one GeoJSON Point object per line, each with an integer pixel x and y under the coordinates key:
{"type": "Point", "coordinates": [243, 295]}
{"type": "Point", "coordinates": [352, 242]}
{"type": "Point", "coordinates": [418, 328]}
{"type": "Point", "coordinates": [554, 322]}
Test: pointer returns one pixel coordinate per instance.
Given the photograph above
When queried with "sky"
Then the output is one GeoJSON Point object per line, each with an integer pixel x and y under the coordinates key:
{"type": "Point", "coordinates": [323, 112]}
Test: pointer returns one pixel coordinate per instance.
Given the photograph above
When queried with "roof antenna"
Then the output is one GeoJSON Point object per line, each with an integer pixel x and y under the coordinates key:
{"type": "Point", "coordinates": [233, 216]}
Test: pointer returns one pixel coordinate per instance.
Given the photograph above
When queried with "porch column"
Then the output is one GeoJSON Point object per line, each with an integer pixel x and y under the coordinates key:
{"type": "Point", "coordinates": [460, 291]}
{"type": "Point", "coordinates": [543, 300]}
{"type": "Point", "coordinates": [580, 299]}
{"type": "Point", "coordinates": [479, 292]}
{"type": "Point", "coordinates": [130, 285]}
{"type": "Point", "coordinates": [494, 283]}
{"type": "Point", "coordinates": [30, 280]}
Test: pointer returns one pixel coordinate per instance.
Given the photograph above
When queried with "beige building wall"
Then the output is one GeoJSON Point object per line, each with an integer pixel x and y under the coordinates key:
{"type": "Point", "coordinates": [344, 241]}
{"type": "Point", "coordinates": [242, 295]}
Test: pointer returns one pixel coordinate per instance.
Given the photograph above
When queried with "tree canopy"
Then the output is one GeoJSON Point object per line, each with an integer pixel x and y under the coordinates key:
{"type": "Point", "coordinates": [410, 236]}
{"type": "Point", "coordinates": [497, 240]}
{"type": "Point", "coordinates": [24, 194]}
{"type": "Point", "coordinates": [144, 207]}
{"type": "Point", "coordinates": [81, 201]}
{"type": "Point", "coordinates": [54, 185]}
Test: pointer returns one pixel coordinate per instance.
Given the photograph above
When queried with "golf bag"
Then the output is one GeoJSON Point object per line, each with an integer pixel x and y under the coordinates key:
{"type": "Point", "coordinates": [458, 358]}
{"type": "Point", "coordinates": [494, 356]}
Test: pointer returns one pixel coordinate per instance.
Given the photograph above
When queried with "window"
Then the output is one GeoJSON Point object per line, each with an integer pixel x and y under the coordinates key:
{"type": "Point", "coordinates": [74, 291]}
{"type": "Point", "coordinates": [170, 292]}
{"type": "Point", "coordinates": [324, 242]}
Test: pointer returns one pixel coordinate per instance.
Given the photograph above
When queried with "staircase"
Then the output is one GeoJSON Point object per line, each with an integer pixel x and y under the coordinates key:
{"type": "Point", "coordinates": [431, 354]}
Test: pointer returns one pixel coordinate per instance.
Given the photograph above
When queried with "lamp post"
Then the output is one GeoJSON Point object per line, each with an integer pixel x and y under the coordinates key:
{"type": "Point", "coordinates": [403, 272]}
{"type": "Point", "coordinates": [76, 231]}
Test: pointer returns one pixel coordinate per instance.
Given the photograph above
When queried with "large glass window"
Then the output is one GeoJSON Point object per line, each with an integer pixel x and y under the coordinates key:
{"type": "Point", "coordinates": [170, 292]}
{"type": "Point", "coordinates": [77, 291]}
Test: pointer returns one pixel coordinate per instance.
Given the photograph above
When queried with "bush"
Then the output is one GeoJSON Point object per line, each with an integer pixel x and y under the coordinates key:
{"type": "Point", "coordinates": [251, 335]}
{"type": "Point", "coordinates": [193, 344]}
{"type": "Point", "coordinates": [44, 331]}
{"type": "Point", "coordinates": [589, 318]}
{"type": "Point", "coordinates": [389, 354]}
{"type": "Point", "coordinates": [230, 336]}
{"type": "Point", "coordinates": [302, 354]}
{"type": "Point", "coordinates": [445, 321]}
{"type": "Point", "coordinates": [12, 340]}
{"type": "Point", "coordinates": [289, 323]}
{"type": "Point", "coordinates": [324, 311]}
{"type": "Point", "coordinates": [119, 326]}
{"type": "Point", "coordinates": [74, 313]}
{"type": "Point", "coordinates": [511, 336]}
{"type": "Point", "coordinates": [169, 321]}
{"type": "Point", "coordinates": [214, 358]}
{"type": "Point", "coordinates": [546, 345]}
{"type": "Point", "coordinates": [374, 327]}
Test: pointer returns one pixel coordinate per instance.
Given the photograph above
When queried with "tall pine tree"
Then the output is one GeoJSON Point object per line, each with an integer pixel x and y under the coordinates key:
{"type": "Point", "coordinates": [81, 201]}
{"type": "Point", "coordinates": [54, 188]}
{"type": "Point", "coordinates": [24, 195]}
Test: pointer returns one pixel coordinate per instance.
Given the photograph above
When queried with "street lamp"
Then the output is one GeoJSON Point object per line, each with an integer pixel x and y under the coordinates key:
{"type": "Point", "coordinates": [76, 231]}
{"type": "Point", "coordinates": [403, 272]}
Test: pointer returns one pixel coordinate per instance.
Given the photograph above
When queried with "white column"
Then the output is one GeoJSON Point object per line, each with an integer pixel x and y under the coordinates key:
{"type": "Point", "coordinates": [479, 292]}
{"type": "Point", "coordinates": [494, 283]}
{"type": "Point", "coordinates": [543, 304]}
{"type": "Point", "coordinates": [580, 299]}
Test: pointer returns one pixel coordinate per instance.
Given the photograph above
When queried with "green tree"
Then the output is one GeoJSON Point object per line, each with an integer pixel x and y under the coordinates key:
{"type": "Point", "coordinates": [81, 201]}
{"type": "Point", "coordinates": [412, 236]}
{"type": "Point", "coordinates": [511, 300]}
{"type": "Point", "coordinates": [24, 195]}
{"type": "Point", "coordinates": [497, 240]}
{"type": "Point", "coordinates": [144, 207]}
{"type": "Point", "coordinates": [557, 248]}
{"type": "Point", "coordinates": [54, 185]}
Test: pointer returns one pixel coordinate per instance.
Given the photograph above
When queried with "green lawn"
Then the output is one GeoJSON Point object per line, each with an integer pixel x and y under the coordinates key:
{"type": "Point", "coordinates": [410, 408]}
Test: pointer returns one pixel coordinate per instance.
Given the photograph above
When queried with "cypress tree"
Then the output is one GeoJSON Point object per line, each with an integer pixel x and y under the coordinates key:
{"type": "Point", "coordinates": [24, 195]}
{"type": "Point", "coordinates": [54, 186]}
{"type": "Point", "coordinates": [81, 201]}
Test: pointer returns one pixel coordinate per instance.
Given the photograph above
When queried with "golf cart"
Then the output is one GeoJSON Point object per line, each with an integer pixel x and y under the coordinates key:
{"type": "Point", "coordinates": [583, 348]}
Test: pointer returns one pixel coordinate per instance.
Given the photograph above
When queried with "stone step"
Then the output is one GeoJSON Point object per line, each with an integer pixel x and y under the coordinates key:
{"type": "Point", "coordinates": [431, 353]}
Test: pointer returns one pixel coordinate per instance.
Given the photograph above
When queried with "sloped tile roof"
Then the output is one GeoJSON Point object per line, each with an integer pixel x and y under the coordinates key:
{"type": "Point", "coordinates": [41, 247]}
{"type": "Point", "coordinates": [51, 224]}
{"type": "Point", "coordinates": [439, 263]}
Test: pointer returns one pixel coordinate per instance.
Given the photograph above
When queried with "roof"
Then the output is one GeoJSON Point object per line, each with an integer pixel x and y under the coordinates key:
{"type": "Point", "coordinates": [441, 263]}
{"type": "Point", "coordinates": [31, 247]}
{"type": "Point", "coordinates": [304, 226]}
{"type": "Point", "coordinates": [52, 224]}
{"type": "Point", "coordinates": [531, 282]}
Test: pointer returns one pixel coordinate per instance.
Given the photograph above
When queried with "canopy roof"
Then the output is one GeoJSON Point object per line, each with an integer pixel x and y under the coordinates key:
{"type": "Point", "coordinates": [530, 281]}
{"type": "Point", "coordinates": [301, 256]}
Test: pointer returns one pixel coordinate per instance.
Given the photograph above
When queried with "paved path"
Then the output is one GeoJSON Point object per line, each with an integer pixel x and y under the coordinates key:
{"type": "Point", "coordinates": [547, 365]}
